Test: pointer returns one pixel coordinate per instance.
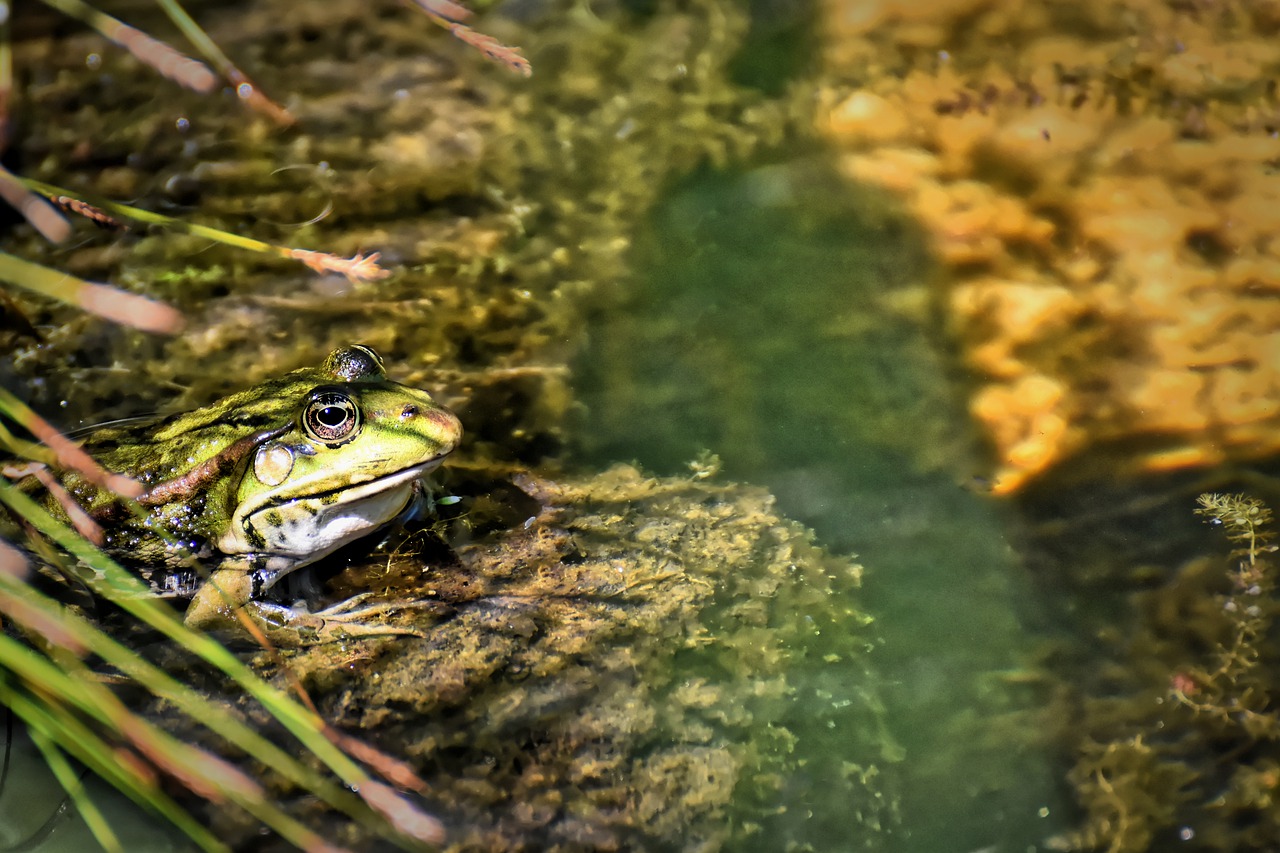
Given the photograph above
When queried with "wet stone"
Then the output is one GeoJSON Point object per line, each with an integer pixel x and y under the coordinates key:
{"type": "Point", "coordinates": [623, 670]}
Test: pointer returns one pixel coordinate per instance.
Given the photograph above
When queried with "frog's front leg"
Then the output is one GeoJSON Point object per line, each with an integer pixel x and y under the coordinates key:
{"type": "Point", "coordinates": [215, 604]}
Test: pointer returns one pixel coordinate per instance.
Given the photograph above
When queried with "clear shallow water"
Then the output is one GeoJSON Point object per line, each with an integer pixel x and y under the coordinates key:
{"type": "Point", "coordinates": [35, 814]}
{"type": "Point", "coordinates": [777, 320]}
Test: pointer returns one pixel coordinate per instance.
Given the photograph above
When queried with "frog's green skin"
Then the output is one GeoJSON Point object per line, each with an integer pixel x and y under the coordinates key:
{"type": "Point", "coordinates": [266, 481]}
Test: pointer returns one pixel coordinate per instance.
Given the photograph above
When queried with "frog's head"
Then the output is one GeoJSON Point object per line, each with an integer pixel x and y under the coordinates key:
{"type": "Point", "coordinates": [348, 463]}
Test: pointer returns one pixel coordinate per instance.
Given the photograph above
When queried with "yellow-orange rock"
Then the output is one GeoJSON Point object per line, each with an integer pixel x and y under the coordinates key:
{"type": "Point", "coordinates": [1103, 182]}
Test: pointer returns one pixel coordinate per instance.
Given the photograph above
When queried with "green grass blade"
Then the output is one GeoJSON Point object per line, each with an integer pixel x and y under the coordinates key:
{"type": "Point", "coordinates": [138, 601]}
{"type": "Point", "coordinates": [70, 782]}
{"type": "Point", "coordinates": [133, 596]}
{"type": "Point", "coordinates": [201, 771]}
{"type": "Point", "coordinates": [196, 35]}
{"type": "Point", "coordinates": [138, 214]}
{"type": "Point", "coordinates": [56, 723]}
{"type": "Point", "coordinates": [84, 635]}
{"type": "Point", "coordinates": [20, 447]}
{"type": "Point", "coordinates": [117, 305]}
{"type": "Point", "coordinates": [359, 268]}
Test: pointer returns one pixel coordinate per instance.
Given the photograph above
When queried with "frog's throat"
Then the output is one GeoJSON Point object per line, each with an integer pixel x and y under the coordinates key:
{"type": "Point", "coordinates": [306, 529]}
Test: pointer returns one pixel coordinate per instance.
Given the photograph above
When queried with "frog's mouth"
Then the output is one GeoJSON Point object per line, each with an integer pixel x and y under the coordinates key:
{"type": "Point", "coordinates": [356, 493]}
{"type": "Point", "coordinates": [305, 528]}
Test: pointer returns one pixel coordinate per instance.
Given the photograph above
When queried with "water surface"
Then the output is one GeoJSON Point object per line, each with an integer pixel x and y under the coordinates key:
{"type": "Point", "coordinates": [779, 319]}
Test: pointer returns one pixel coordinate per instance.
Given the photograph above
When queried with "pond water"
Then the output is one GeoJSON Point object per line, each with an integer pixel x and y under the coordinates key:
{"type": "Point", "coordinates": [761, 329]}
{"type": "Point", "coordinates": [767, 319]}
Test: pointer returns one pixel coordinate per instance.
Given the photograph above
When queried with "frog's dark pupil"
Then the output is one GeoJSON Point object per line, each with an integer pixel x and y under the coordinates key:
{"type": "Point", "coordinates": [332, 416]}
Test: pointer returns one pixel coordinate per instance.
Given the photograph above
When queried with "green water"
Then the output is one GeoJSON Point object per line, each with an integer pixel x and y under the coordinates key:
{"type": "Point", "coordinates": [35, 814]}
{"type": "Point", "coordinates": [777, 319]}
{"type": "Point", "coordinates": [782, 319]}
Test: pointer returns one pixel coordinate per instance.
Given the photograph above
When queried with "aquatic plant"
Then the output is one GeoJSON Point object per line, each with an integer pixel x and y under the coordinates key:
{"type": "Point", "coordinates": [26, 195]}
{"type": "Point", "coordinates": [1230, 690]}
{"type": "Point", "coordinates": [490, 306]}
{"type": "Point", "coordinates": [52, 681]}
{"type": "Point", "coordinates": [54, 684]}
{"type": "Point", "coordinates": [109, 302]}
{"type": "Point", "coordinates": [51, 684]}
{"type": "Point", "coordinates": [453, 17]}
{"type": "Point", "coordinates": [1187, 749]}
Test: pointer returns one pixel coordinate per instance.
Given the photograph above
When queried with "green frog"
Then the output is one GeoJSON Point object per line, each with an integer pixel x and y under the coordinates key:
{"type": "Point", "coordinates": [267, 481]}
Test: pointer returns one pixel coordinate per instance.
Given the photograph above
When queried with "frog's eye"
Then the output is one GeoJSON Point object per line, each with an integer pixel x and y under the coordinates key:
{"type": "Point", "coordinates": [331, 417]}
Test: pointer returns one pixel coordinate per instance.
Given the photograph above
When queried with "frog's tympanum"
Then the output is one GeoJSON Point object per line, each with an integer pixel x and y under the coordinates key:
{"type": "Point", "coordinates": [267, 481]}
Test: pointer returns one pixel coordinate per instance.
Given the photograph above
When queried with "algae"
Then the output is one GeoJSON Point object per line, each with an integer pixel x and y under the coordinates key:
{"type": "Point", "coordinates": [635, 666]}
{"type": "Point", "coordinates": [505, 205]}
{"type": "Point", "coordinates": [625, 670]}
{"type": "Point", "coordinates": [1178, 745]}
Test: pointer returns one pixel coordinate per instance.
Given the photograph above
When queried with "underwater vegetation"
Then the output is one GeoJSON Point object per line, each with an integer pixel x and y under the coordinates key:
{"type": "Point", "coordinates": [1181, 744]}
{"type": "Point", "coordinates": [545, 703]}
{"type": "Point", "coordinates": [39, 203]}
{"type": "Point", "coordinates": [1098, 183]}
{"type": "Point", "coordinates": [54, 656]}
{"type": "Point", "coordinates": [610, 664]}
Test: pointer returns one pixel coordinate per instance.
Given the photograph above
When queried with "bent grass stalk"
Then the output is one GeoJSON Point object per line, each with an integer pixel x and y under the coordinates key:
{"type": "Point", "coordinates": [359, 268]}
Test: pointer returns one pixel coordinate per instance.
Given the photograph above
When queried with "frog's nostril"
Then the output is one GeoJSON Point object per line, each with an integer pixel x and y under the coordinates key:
{"type": "Point", "coordinates": [409, 411]}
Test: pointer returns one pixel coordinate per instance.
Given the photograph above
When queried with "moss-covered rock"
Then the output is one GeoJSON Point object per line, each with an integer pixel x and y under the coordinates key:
{"type": "Point", "coordinates": [641, 664]}
{"type": "Point", "coordinates": [644, 664]}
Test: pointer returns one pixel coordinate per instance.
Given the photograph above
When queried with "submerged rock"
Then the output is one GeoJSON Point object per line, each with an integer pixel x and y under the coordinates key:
{"type": "Point", "coordinates": [1103, 205]}
{"type": "Point", "coordinates": [641, 664]}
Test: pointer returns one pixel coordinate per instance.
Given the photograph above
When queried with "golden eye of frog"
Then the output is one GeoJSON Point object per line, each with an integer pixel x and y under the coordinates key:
{"type": "Point", "coordinates": [267, 481]}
